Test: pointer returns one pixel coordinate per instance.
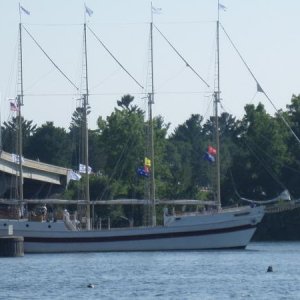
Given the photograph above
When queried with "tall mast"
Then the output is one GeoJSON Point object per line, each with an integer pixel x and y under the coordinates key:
{"type": "Point", "coordinates": [216, 114]}
{"type": "Point", "coordinates": [19, 118]}
{"type": "Point", "coordinates": [150, 103]}
{"type": "Point", "coordinates": [85, 134]}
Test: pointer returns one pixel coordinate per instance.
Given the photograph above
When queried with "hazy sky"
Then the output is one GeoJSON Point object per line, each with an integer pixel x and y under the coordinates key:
{"type": "Point", "coordinates": [266, 32]}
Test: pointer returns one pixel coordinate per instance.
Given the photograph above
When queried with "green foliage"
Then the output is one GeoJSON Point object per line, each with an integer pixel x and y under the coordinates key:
{"type": "Point", "coordinates": [259, 156]}
{"type": "Point", "coordinates": [10, 131]}
{"type": "Point", "coordinates": [264, 153]}
{"type": "Point", "coordinates": [122, 139]}
{"type": "Point", "coordinates": [51, 145]}
{"type": "Point", "coordinates": [187, 146]}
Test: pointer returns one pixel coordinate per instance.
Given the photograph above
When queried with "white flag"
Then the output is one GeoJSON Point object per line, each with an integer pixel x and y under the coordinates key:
{"type": "Point", "coordinates": [222, 7]}
{"type": "Point", "coordinates": [156, 10]}
{"type": "Point", "coordinates": [88, 10]}
{"type": "Point", "coordinates": [82, 169]}
{"type": "Point", "coordinates": [27, 12]}
{"type": "Point", "coordinates": [73, 176]}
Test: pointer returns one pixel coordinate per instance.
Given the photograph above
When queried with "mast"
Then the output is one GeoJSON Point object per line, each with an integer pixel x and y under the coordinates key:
{"type": "Point", "coordinates": [19, 118]}
{"type": "Point", "coordinates": [216, 115]}
{"type": "Point", "coordinates": [85, 134]}
{"type": "Point", "coordinates": [150, 103]}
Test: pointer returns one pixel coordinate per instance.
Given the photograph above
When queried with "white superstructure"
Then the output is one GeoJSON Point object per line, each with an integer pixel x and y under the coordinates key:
{"type": "Point", "coordinates": [227, 229]}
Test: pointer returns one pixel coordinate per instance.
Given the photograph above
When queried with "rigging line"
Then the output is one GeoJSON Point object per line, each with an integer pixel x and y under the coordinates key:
{"type": "Point", "coordinates": [112, 74]}
{"type": "Point", "coordinates": [222, 106]}
{"type": "Point", "coordinates": [187, 64]}
{"type": "Point", "coordinates": [259, 88]}
{"type": "Point", "coordinates": [271, 157]}
{"type": "Point", "coordinates": [269, 170]}
{"type": "Point", "coordinates": [239, 54]}
{"type": "Point", "coordinates": [181, 93]}
{"type": "Point", "coordinates": [12, 72]}
{"type": "Point", "coordinates": [234, 184]}
{"type": "Point", "coordinates": [39, 79]}
{"type": "Point", "coordinates": [229, 110]}
{"type": "Point", "coordinates": [282, 118]}
{"type": "Point", "coordinates": [50, 59]}
{"type": "Point", "coordinates": [113, 94]}
{"type": "Point", "coordinates": [52, 24]}
{"type": "Point", "coordinates": [114, 57]}
{"type": "Point", "coordinates": [208, 107]}
{"type": "Point", "coordinates": [122, 166]}
{"type": "Point", "coordinates": [189, 22]}
{"type": "Point", "coordinates": [291, 169]}
{"type": "Point", "coordinates": [172, 77]}
{"type": "Point", "coordinates": [144, 23]}
{"type": "Point", "coordinates": [253, 97]}
{"type": "Point", "coordinates": [120, 162]}
{"type": "Point", "coordinates": [124, 149]}
{"type": "Point", "coordinates": [110, 179]}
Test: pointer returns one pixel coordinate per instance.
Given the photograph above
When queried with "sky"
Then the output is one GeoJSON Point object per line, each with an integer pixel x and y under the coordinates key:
{"type": "Point", "coordinates": [266, 33]}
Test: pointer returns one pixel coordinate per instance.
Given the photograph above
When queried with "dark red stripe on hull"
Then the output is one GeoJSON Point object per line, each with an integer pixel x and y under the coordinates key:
{"type": "Point", "coordinates": [135, 237]}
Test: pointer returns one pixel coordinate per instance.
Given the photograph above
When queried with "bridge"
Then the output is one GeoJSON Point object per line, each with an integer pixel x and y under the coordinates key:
{"type": "Point", "coordinates": [33, 170]}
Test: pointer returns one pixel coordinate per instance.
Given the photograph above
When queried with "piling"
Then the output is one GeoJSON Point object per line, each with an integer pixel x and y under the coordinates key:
{"type": "Point", "coordinates": [11, 246]}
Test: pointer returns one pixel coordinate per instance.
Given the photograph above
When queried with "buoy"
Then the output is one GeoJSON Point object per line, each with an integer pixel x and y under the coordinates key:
{"type": "Point", "coordinates": [270, 269]}
{"type": "Point", "coordinates": [90, 286]}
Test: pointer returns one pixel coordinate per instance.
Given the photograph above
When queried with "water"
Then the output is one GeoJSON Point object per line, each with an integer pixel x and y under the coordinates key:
{"type": "Point", "coordinates": [156, 275]}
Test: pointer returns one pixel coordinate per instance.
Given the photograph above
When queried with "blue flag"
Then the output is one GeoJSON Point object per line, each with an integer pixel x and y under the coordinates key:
{"type": "Point", "coordinates": [143, 172]}
{"type": "Point", "coordinates": [209, 157]}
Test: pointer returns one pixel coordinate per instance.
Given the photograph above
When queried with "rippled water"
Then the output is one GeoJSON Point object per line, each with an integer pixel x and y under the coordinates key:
{"type": "Point", "coordinates": [156, 275]}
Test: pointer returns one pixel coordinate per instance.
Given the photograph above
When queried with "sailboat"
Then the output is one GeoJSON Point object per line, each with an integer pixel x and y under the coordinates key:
{"type": "Point", "coordinates": [220, 228]}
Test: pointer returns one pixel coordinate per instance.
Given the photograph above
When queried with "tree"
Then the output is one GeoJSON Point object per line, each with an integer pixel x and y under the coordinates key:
{"type": "Point", "coordinates": [77, 133]}
{"type": "Point", "coordinates": [187, 146]}
{"type": "Point", "coordinates": [122, 139]}
{"type": "Point", "coordinates": [162, 170]}
{"type": "Point", "coordinates": [290, 172]}
{"type": "Point", "coordinates": [125, 101]}
{"type": "Point", "coordinates": [10, 131]}
{"type": "Point", "coordinates": [51, 145]}
{"type": "Point", "coordinates": [263, 154]}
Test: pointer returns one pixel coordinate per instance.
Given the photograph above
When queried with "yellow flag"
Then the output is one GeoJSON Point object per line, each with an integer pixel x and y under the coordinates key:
{"type": "Point", "coordinates": [147, 162]}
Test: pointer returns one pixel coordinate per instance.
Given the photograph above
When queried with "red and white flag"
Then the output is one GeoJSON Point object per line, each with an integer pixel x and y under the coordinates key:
{"type": "Point", "coordinates": [211, 150]}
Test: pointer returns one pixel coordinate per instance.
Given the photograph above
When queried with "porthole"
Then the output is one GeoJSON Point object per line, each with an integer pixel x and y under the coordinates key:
{"type": "Point", "coordinates": [4, 224]}
{"type": "Point", "coordinates": [27, 225]}
{"type": "Point", "coordinates": [49, 226]}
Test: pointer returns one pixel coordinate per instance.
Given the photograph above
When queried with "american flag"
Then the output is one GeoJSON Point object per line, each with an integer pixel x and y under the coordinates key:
{"type": "Point", "coordinates": [13, 106]}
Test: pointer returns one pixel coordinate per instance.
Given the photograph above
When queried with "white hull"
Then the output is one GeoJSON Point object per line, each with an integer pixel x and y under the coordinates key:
{"type": "Point", "coordinates": [223, 230]}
